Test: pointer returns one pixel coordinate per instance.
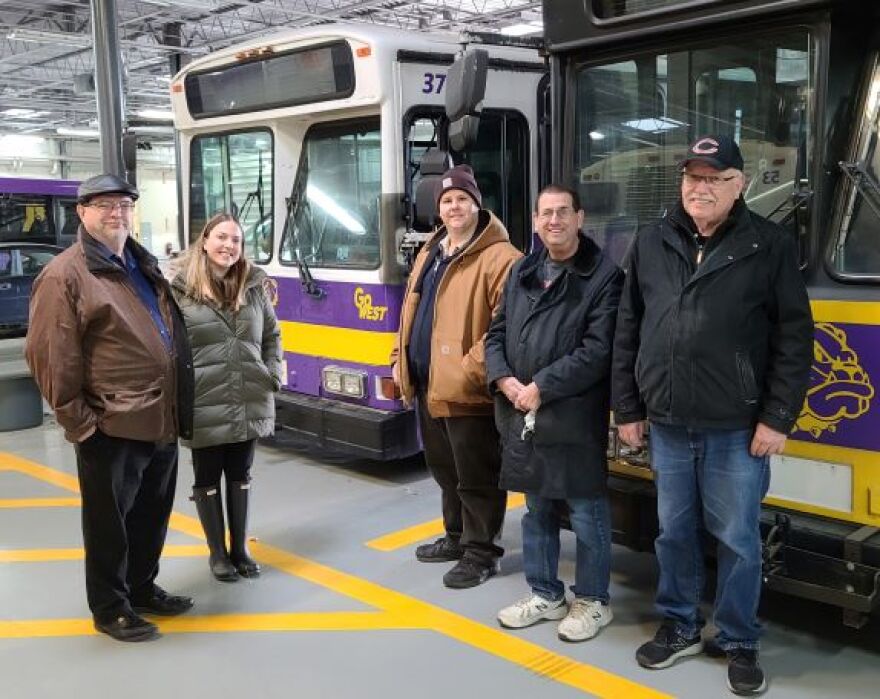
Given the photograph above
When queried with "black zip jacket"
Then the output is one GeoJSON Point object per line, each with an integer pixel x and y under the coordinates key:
{"type": "Point", "coordinates": [722, 345]}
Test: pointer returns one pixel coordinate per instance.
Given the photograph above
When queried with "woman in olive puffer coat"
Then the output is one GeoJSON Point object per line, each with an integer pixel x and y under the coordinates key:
{"type": "Point", "coordinates": [236, 350]}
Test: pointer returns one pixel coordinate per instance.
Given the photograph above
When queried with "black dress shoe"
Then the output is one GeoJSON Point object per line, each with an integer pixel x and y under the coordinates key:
{"type": "Point", "coordinates": [128, 627]}
{"type": "Point", "coordinates": [162, 604]}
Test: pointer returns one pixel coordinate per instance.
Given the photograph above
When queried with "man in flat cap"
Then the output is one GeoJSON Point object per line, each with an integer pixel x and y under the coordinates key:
{"type": "Point", "coordinates": [713, 347]}
{"type": "Point", "coordinates": [108, 349]}
{"type": "Point", "coordinates": [439, 363]}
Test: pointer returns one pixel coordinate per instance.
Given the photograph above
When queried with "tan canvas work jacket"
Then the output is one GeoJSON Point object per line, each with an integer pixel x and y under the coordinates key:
{"type": "Point", "coordinates": [467, 297]}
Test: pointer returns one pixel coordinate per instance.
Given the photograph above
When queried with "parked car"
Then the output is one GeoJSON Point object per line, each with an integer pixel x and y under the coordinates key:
{"type": "Point", "coordinates": [20, 263]}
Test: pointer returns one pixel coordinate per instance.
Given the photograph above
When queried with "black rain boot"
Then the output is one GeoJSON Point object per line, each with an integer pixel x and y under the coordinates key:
{"type": "Point", "coordinates": [237, 494]}
{"type": "Point", "coordinates": [210, 511]}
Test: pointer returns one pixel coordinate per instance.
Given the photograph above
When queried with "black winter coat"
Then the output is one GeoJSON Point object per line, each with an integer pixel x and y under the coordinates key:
{"type": "Point", "coordinates": [560, 338]}
{"type": "Point", "coordinates": [722, 345]}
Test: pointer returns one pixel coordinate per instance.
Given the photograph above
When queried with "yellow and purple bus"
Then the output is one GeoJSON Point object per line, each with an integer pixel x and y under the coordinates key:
{"type": "Point", "coordinates": [797, 84]}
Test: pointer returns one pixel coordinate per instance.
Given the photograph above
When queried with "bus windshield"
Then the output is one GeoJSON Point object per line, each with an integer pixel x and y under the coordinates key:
{"type": "Point", "coordinates": [335, 218]}
{"type": "Point", "coordinates": [634, 118]}
{"type": "Point", "coordinates": [233, 173]}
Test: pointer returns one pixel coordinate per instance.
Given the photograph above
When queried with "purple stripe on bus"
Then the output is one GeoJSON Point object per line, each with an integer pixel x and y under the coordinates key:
{"type": "Point", "coordinates": [843, 400]}
{"type": "Point", "coordinates": [352, 305]}
{"type": "Point", "coordinates": [24, 185]}
{"type": "Point", "coordinates": [304, 376]}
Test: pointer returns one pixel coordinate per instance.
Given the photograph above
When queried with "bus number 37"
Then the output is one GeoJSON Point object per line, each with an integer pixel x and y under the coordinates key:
{"type": "Point", "coordinates": [433, 83]}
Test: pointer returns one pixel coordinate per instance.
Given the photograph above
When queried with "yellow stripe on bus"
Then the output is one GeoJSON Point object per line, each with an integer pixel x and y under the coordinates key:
{"type": "Point", "coordinates": [343, 344]}
{"type": "Point", "coordinates": [855, 312]}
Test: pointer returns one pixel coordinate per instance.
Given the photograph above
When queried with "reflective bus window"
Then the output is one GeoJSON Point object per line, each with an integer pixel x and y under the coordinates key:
{"type": "Point", "coordinates": [857, 249]}
{"type": "Point", "coordinates": [233, 173]}
{"type": "Point", "coordinates": [334, 217]}
{"type": "Point", "coordinates": [23, 217]}
{"type": "Point", "coordinates": [609, 9]}
{"type": "Point", "coordinates": [634, 119]}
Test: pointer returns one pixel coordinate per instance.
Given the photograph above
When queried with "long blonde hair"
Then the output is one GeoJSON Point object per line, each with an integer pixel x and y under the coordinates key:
{"type": "Point", "coordinates": [202, 284]}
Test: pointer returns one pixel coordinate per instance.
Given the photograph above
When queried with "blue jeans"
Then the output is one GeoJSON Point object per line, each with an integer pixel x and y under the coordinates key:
{"type": "Point", "coordinates": [591, 522]}
{"type": "Point", "coordinates": [707, 481]}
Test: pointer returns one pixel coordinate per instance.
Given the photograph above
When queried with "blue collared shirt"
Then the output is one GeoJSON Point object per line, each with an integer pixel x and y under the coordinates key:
{"type": "Point", "coordinates": [144, 288]}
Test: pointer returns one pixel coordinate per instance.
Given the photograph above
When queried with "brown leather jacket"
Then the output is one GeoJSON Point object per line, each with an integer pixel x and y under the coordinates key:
{"type": "Point", "coordinates": [466, 300]}
{"type": "Point", "coordinates": [95, 352]}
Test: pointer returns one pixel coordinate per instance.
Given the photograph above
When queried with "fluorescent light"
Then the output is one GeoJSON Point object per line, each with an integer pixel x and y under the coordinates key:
{"type": "Point", "coordinates": [597, 135]}
{"type": "Point", "coordinates": [87, 133]}
{"type": "Point", "coordinates": [162, 114]}
{"type": "Point", "coordinates": [522, 29]}
{"type": "Point", "coordinates": [22, 113]}
{"type": "Point", "coordinates": [333, 209]}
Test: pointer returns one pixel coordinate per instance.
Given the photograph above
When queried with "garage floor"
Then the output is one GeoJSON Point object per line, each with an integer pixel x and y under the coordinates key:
{"type": "Point", "coordinates": [343, 609]}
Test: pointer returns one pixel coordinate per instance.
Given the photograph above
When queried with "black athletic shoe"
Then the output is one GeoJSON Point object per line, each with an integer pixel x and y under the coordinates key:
{"type": "Point", "coordinates": [441, 551]}
{"type": "Point", "coordinates": [744, 675]}
{"type": "Point", "coordinates": [470, 572]}
{"type": "Point", "coordinates": [666, 647]}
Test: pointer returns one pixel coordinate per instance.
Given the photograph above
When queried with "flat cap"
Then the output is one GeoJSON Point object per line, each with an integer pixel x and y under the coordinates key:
{"type": "Point", "coordinates": [105, 183]}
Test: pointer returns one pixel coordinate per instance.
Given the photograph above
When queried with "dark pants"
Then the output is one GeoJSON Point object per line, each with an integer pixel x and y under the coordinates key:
{"type": "Point", "coordinates": [127, 489]}
{"type": "Point", "coordinates": [464, 457]}
{"type": "Point", "coordinates": [234, 460]}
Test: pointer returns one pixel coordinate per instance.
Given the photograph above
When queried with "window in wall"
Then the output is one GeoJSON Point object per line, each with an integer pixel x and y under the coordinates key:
{"type": "Point", "coordinates": [234, 173]}
{"type": "Point", "coordinates": [334, 215]}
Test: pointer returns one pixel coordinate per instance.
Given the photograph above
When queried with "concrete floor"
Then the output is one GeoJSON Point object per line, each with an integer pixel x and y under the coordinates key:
{"type": "Point", "coordinates": [333, 617]}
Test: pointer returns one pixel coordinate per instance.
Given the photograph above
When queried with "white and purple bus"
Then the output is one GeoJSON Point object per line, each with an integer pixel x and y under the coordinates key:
{"type": "Point", "coordinates": [317, 140]}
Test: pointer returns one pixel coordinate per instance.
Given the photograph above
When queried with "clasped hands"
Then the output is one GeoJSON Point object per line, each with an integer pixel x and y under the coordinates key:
{"type": "Point", "coordinates": [523, 397]}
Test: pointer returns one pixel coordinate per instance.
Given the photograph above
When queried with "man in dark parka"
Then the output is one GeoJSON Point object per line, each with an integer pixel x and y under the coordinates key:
{"type": "Point", "coordinates": [548, 355]}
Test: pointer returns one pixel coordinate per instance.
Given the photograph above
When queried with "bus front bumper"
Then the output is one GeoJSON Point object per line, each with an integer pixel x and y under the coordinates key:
{"type": "Point", "coordinates": [354, 430]}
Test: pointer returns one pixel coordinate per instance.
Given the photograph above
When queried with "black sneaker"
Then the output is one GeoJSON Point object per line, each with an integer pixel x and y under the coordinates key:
{"type": "Point", "coordinates": [470, 572]}
{"type": "Point", "coordinates": [667, 646]}
{"type": "Point", "coordinates": [744, 675]}
{"type": "Point", "coordinates": [443, 550]}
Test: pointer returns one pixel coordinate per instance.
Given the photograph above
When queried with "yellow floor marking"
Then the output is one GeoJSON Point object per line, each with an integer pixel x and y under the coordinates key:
{"type": "Point", "coordinates": [396, 611]}
{"type": "Point", "coordinates": [76, 554]}
{"type": "Point", "coordinates": [219, 623]}
{"type": "Point", "coordinates": [426, 530]}
{"type": "Point", "coordinates": [491, 640]}
{"type": "Point", "coordinates": [15, 503]}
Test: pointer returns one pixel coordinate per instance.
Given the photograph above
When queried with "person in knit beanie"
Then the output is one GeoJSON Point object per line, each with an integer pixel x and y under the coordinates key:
{"type": "Point", "coordinates": [438, 363]}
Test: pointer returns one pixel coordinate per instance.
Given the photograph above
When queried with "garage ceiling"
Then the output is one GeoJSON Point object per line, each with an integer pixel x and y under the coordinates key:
{"type": "Point", "coordinates": [46, 56]}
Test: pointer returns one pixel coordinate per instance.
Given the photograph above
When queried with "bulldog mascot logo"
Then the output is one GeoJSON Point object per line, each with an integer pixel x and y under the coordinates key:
{"type": "Point", "coordinates": [840, 389]}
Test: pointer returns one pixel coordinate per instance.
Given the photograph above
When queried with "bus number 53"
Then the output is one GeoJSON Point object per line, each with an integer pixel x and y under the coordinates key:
{"type": "Point", "coordinates": [433, 83]}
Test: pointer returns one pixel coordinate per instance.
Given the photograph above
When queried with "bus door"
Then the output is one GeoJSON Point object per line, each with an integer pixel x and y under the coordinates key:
{"type": "Point", "coordinates": [499, 158]}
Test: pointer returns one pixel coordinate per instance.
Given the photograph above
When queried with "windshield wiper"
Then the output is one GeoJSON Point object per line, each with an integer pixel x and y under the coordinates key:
{"type": "Point", "coordinates": [864, 183]}
{"type": "Point", "coordinates": [310, 286]}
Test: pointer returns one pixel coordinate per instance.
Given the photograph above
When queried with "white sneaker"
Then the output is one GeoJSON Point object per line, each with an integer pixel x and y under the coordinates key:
{"type": "Point", "coordinates": [584, 619]}
{"type": "Point", "coordinates": [531, 610]}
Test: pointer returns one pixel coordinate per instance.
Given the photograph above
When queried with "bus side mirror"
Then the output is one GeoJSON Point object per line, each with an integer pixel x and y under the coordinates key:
{"type": "Point", "coordinates": [465, 90]}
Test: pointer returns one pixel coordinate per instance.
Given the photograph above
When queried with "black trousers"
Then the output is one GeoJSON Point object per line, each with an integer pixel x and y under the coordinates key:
{"type": "Point", "coordinates": [127, 489]}
{"type": "Point", "coordinates": [234, 460]}
{"type": "Point", "coordinates": [464, 457]}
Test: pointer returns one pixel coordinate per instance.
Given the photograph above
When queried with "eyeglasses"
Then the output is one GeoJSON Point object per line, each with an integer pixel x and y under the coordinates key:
{"type": "Point", "coordinates": [105, 207]}
{"type": "Point", "coordinates": [563, 213]}
{"type": "Point", "coordinates": [712, 181]}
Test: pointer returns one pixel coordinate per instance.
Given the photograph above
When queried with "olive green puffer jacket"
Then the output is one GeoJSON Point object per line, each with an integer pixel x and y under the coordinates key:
{"type": "Point", "coordinates": [237, 362]}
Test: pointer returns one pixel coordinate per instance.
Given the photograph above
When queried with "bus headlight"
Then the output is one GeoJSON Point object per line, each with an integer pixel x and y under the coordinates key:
{"type": "Point", "coordinates": [344, 382]}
